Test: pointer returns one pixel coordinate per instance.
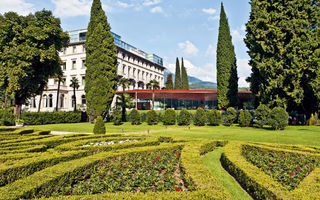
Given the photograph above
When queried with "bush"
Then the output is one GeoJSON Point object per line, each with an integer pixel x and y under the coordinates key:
{"type": "Point", "coordinates": [214, 118]}
{"type": "Point", "coordinates": [99, 127]}
{"type": "Point", "coordinates": [245, 119]}
{"type": "Point", "coordinates": [278, 119]}
{"type": "Point", "coordinates": [41, 118]}
{"type": "Point", "coordinates": [262, 115]}
{"type": "Point", "coordinates": [152, 117]}
{"type": "Point", "coordinates": [200, 117]}
{"type": "Point", "coordinates": [313, 120]}
{"type": "Point", "coordinates": [6, 118]}
{"type": "Point", "coordinates": [116, 117]}
{"type": "Point", "coordinates": [230, 117]}
{"type": "Point", "coordinates": [169, 117]}
{"type": "Point", "coordinates": [184, 118]}
{"type": "Point", "coordinates": [135, 117]}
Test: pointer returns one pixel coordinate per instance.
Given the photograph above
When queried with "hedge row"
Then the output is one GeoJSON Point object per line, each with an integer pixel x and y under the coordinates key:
{"type": "Point", "coordinates": [34, 118]}
{"type": "Point", "coordinates": [31, 148]}
{"type": "Point", "coordinates": [6, 118]}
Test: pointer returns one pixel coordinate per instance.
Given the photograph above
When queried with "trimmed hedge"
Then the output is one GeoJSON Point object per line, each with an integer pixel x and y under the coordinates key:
{"type": "Point", "coordinates": [6, 118]}
{"type": "Point", "coordinates": [116, 117]}
{"type": "Point", "coordinates": [214, 117]}
{"type": "Point", "coordinates": [184, 118]}
{"type": "Point", "coordinates": [200, 118]}
{"type": "Point", "coordinates": [262, 115]}
{"type": "Point", "coordinates": [169, 117]}
{"type": "Point", "coordinates": [245, 118]}
{"type": "Point", "coordinates": [135, 117]}
{"type": "Point", "coordinates": [152, 117]}
{"type": "Point", "coordinates": [99, 127]}
{"type": "Point", "coordinates": [278, 118]}
{"type": "Point", "coordinates": [230, 117]}
{"type": "Point", "coordinates": [41, 118]}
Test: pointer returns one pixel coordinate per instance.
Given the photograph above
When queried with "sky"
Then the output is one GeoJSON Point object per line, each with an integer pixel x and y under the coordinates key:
{"type": "Point", "coordinates": [167, 28]}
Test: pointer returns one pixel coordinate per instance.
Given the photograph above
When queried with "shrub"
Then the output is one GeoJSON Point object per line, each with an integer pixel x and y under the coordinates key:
{"type": "Point", "coordinates": [169, 117]}
{"type": "Point", "coordinates": [99, 127]}
{"type": "Point", "coordinates": [200, 117]}
{"type": "Point", "coordinates": [34, 118]}
{"type": "Point", "coordinates": [262, 115]}
{"type": "Point", "coordinates": [152, 117]}
{"type": "Point", "coordinates": [278, 119]}
{"type": "Point", "coordinates": [214, 118]}
{"type": "Point", "coordinates": [135, 117]}
{"type": "Point", "coordinates": [6, 118]}
{"type": "Point", "coordinates": [313, 120]}
{"type": "Point", "coordinates": [116, 117]}
{"type": "Point", "coordinates": [230, 117]}
{"type": "Point", "coordinates": [184, 118]}
{"type": "Point", "coordinates": [245, 119]}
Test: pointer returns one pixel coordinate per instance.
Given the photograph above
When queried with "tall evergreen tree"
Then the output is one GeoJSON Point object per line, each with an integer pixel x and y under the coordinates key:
{"type": "Point", "coordinates": [169, 82]}
{"type": "Point", "coordinates": [226, 65]}
{"type": "Point", "coordinates": [184, 76]}
{"type": "Point", "coordinates": [101, 63]}
{"type": "Point", "coordinates": [284, 47]}
{"type": "Point", "coordinates": [177, 79]}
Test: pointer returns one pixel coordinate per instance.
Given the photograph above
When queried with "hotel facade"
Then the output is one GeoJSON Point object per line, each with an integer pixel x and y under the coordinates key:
{"type": "Point", "coordinates": [134, 64]}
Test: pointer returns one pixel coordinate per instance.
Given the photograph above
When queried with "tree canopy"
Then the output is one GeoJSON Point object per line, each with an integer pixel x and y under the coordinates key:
{"type": "Point", "coordinates": [177, 78]}
{"type": "Point", "coordinates": [184, 76]}
{"type": "Point", "coordinates": [169, 82]}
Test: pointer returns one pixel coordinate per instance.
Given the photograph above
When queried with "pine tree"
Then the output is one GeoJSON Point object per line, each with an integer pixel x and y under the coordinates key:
{"type": "Point", "coordinates": [284, 47]}
{"type": "Point", "coordinates": [177, 79]}
{"type": "Point", "coordinates": [169, 82]}
{"type": "Point", "coordinates": [184, 77]}
{"type": "Point", "coordinates": [227, 77]}
{"type": "Point", "coordinates": [101, 60]}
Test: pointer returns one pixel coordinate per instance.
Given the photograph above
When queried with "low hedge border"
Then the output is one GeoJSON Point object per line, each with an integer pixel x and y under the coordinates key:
{"type": "Point", "coordinates": [211, 146]}
{"type": "Point", "coordinates": [22, 131]}
{"type": "Point", "coordinates": [36, 148]}
{"type": "Point", "coordinates": [296, 148]}
{"type": "Point", "coordinates": [24, 139]}
{"type": "Point", "coordinates": [5, 128]}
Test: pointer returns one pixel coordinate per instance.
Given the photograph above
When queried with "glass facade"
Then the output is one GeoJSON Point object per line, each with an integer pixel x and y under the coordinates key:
{"type": "Point", "coordinates": [80, 36]}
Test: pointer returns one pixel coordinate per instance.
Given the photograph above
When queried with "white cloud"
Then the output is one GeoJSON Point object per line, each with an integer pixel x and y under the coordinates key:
{"type": "Point", "coordinates": [211, 51]}
{"type": "Point", "coordinates": [151, 3]}
{"type": "Point", "coordinates": [236, 36]}
{"type": "Point", "coordinates": [157, 9]}
{"type": "Point", "coordinates": [213, 18]}
{"type": "Point", "coordinates": [243, 28]}
{"type": "Point", "coordinates": [125, 5]}
{"type": "Point", "coordinates": [19, 6]}
{"type": "Point", "coordinates": [244, 70]}
{"type": "Point", "coordinates": [209, 11]}
{"type": "Point", "coordinates": [188, 48]}
{"type": "Point", "coordinates": [72, 8]}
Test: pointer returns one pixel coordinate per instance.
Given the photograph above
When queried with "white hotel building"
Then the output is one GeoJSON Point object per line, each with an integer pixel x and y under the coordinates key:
{"type": "Point", "coordinates": [133, 64]}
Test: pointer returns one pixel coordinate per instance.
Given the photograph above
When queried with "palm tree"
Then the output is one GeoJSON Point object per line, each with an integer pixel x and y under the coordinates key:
{"type": "Point", "coordinates": [59, 79]}
{"type": "Point", "coordinates": [124, 83]}
{"type": "Point", "coordinates": [154, 85]}
{"type": "Point", "coordinates": [75, 85]}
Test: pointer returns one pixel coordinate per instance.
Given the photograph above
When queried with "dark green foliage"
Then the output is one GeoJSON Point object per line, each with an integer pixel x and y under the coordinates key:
{"type": "Point", "coordinates": [169, 117]}
{"type": "Point", "coordinates": [262, 115]}
{"type": "Point", "coordinates": [278, 119]}
{"type": "Point", "coordinates": [230, 116]}
{"type": "Point", "coordinates": [101, 63]}
{"type": "Point", "coordinates": [283, 42]}
{"type": "Point", "coordinates": [99, 127]}
{"type": "Point", "coordinates": [116, 117]}
{"type": "Point", "coordinates": [184, 77]}
{"type": "Point", "coordinates": [169, 82]}
{"type": "Point", "coordinates": [177, 78]}
{"type": "Point", "coordinates": [214, 117]}
{"type": "Point", "coordinates": [33, 118]}
{"type": "Point", "coordinates": [75, 85]}
{"type": "Point", "coordinates": [245, 119]}
{"type": "Point", "coordinates": [164, 139]}
{"type": "Point", "coordinates": [135, 117]}
{"type": "Point", "coordinates": [200, 117]}
{"type": "Point", "coordinates": [152, 117]}
{"type": "Point", "coordinates": [227, 77]}
{"type": "Point", "coordinates": [6, 118]}
{"type": "Point", "coordinates": [124, 83]}
{"type": "Point", "coordinates": [184, 118]}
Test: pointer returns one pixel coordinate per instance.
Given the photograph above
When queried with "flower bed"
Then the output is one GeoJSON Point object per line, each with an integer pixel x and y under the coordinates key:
{"type": "Point", "coordinates": [102, 143]}
{"type": "Point", "coordinates": [287, 168]}
{"type": "Point", "coordinates": [152, 172]}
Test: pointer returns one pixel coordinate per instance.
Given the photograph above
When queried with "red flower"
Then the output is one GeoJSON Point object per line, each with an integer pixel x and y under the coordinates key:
{"type": "Point", "coordinates": [153, 160]}
{"type": "Point", "coordinates": [121, 166]}
{"type": "Point", "coordinates": [259, 156]}
{"type": "Point", "coordinates": [125, 165]}
{"type": "Point", "coordinates": [310, 169]}
{"type": "Point", "coordinates": [69, 192]}
{"type": "Point", "coordinates": [290, 174]}
{"type": "Point", "coordinates": [154, 183]}
{"type": "Point", "coordinates": [158, 157]}
{"type": "Point", "coordinates": [127, 179]}
{"type": "Point", "coordinates": [297, 169]}
{"type": "Point", "coordinates": [161, 183]}
{"type": "Point", "coordinates": [161, 170]}
{"type": "Point", "coordinates": [270, 162]}
{"type": "Point", "coordinates": [166, 175]}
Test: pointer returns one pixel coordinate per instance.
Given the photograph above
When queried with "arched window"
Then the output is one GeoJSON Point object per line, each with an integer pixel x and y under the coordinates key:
{"type": "Point", "coordinates": [50, 101]}
{"type": "Point", "coordinates": [83, 99]}
{"type": "Point", "coordinates": [61, 100]}
{"type": "Point", "coordinates": [72, 101]}
{"type": "Point", "coordinates": [45, 101]}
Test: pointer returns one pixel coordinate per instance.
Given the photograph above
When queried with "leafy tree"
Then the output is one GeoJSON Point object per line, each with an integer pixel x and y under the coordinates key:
{"type": "Point", "coordinates": [135, 117]}
{"type": "Point", "coordinates": [200, 117]}
{"type": "Point", "coordinates": [152, 117]}
{"type": "Point", "coordinates": [153, 84]}
{"type": "Point", "coordinates": [284, 47]}
{"type": "Point", "coordinates": [169, 117]}
{"type": "Point", "coordinates": [245, 118]}
{"type": "Point", "coordinates": [230, 116]}
{"type": "Point", "coordinates": [214, 117]}
{"type": "Point", "coordinates": [227, 77]}
{"type": "Point", "coordinates": [169, 82]}
{"type": "Point", "coordinates": [75, 85]}
{"type": "Point", "coordinates": [101, 63]}
{"type": "Point", "coordinates": [278, 119]}
{"type": "Point", "coordinates": [184, 118]}
{"type": "Point", "coordinates": [124, 83]}
{"type": "Point", "coordinates": [177, 78]}
{"type": "Point", "coordinates": [184, 77]}
{"type": "Point", "coordinates": [262, 115]}
{"type": "Point", "coordinates": [29, 48]}
{"type": "Point", "coordinates": [99, 126]}
{"type": "Point", "coordinates": [116, 117]}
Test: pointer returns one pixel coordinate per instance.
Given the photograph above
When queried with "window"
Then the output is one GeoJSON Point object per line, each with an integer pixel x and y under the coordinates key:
{"type": "Point", "coordinates": [74, 49]}
{"type": "Point", "coordinates": [61, 100]}
{"type": "Point", "coordinates": [74, 64]}
{"type": "Point", "coordinates": [83, 99]}
{"type": "Point", "coordinates": [83, 80]}
{"type": "Point", "coordinates": [50, 101]}
{"type": "Point", "coordinates": [33, 102]}
{"type": "Point", "coordinates": [64, 50]}
{"type": "Point", "coordinates": [64, 66]}
{"type": "Point", "coordinates": [73, 101]}
{"type": "Point", "coordinates": [134, 72]}
{"type": "Point", "coordinates": [64, 81]}
{"type": "Point", "coordinates": [45, 101]}
{"type": "Point", "coordinates": [83, 63]}
{"type": "Point", "coordinates": [129, 71]}
{"type": "Point", "coordinates": [123, 69]}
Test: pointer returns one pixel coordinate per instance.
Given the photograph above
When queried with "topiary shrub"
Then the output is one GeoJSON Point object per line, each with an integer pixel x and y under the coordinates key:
{"type": "Point", "coordinates": [169, 117]}
{"type": "Point", "coordinates": [152, 117]}
{"type": "Point", "coordinates": [200, 117]}
{"type": "Point", "coordinates": [278, 118]}
{"type": "Point", "coordinates": [230, 117]}
{"type": "Point", "coordinates": [6, 118]}
{"type": "Point", "coordinates": [214, 118]}
{"type": "Point", "coordinates": [99, 127]}
{"type": "Point", "coordinates": [184, 118]}
{"type": "Point", "coordinates": [135, 117]}
{"type": "Point", "coordinates": [116, 117]}
{"type": "Point", "coordinates": [262, 115]}
{"type": "Point", "coordinates": [245, 118]}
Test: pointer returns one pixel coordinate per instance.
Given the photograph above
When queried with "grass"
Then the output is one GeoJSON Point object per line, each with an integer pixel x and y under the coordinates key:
{"type": "Point", "coordinates": [212, 161]}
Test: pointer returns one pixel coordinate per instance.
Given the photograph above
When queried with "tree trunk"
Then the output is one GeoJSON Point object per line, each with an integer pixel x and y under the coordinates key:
{"type": "Point", "coordinates": [153, 99]}
{"type": "Point", "coordinates": [75, 99]}
{"type": "Point", "coordinates": [5, 101]}
{"type": "Point", "coordinates": [17, 110]}
{"type": "Point", "coordinates": [40, 102]}
{"type": "Point", "coordinates": [58, 91]}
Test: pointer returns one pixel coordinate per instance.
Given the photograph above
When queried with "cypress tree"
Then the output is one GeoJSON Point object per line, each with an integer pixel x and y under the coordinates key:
{"type": "Point", "coordinates": [101, 60]}
{"type": "Point", "coordinates": [169, 82]}
{"type": "Point", "coordinates": [177, 79]}
{"type": "Point", "coordinates": [227, 77]}
{"type": "Point", "coordinates": [184, 77]}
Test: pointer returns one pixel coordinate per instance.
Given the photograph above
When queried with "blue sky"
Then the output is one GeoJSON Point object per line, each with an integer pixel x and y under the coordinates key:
{"type": "Point", "coordinates": [168, 28]}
